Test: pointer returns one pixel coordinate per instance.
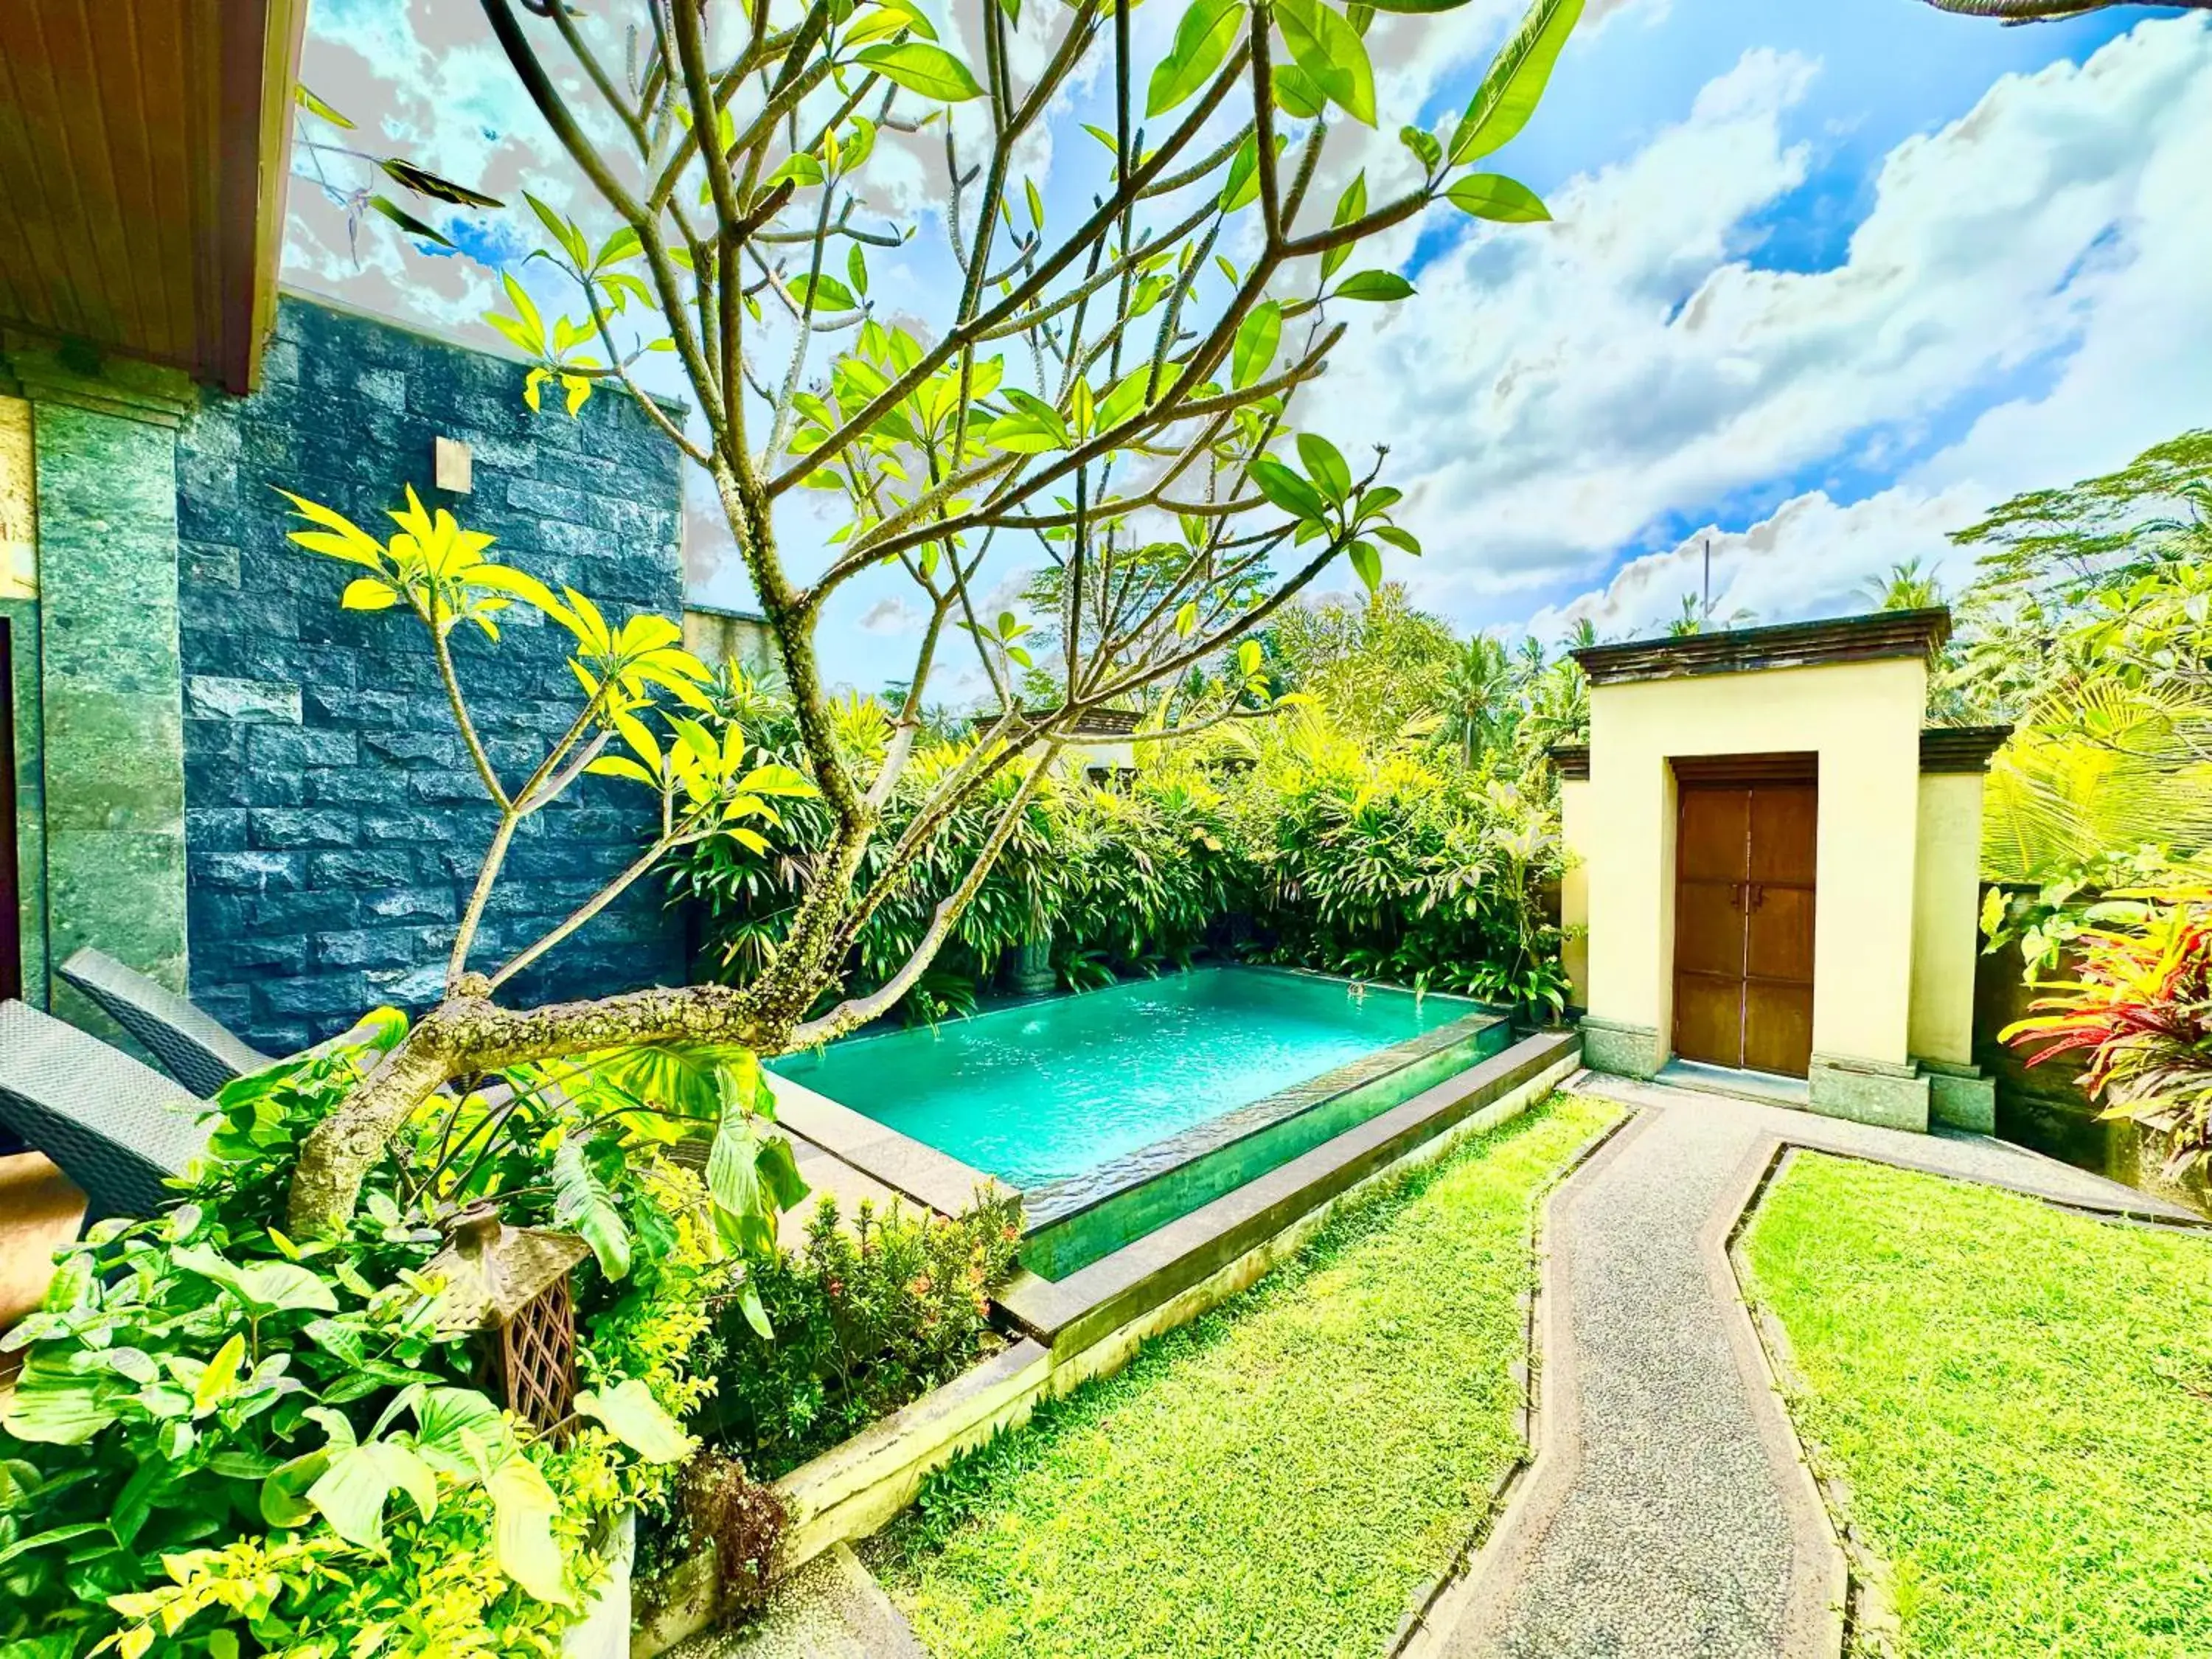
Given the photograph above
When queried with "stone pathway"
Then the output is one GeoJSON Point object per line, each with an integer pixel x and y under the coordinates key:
{"type": "Point", "coordinates": [1668, 1511]}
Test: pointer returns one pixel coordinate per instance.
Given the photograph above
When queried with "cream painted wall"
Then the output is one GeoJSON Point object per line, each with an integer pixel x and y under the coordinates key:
{"type": "Point", "coordinates": [1863, 721]}
{"type": "Point", "coordinates": [1946, 923]}
{"type": "Point", "coordinates": [1574, 887]}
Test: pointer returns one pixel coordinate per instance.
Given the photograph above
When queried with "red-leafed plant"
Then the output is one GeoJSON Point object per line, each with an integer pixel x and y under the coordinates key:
{"type": "Point", "coordinates": [2141, 1008]}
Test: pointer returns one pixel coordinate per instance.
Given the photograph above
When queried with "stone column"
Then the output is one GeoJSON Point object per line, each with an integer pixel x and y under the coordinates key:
{"type": "Point", "coordinates": [110, 683]}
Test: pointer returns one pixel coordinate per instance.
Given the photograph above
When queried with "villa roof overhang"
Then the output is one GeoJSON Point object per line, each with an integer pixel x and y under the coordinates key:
{"type": "Point", "coordinates": [1960, 748]}
{"type": "Point", "coordinates": [143, 153]}
{"type": "Point", "coordinates": [1885, 634]}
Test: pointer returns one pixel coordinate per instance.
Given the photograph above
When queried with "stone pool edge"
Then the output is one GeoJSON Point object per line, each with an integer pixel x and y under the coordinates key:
{"type": "Point", "coordinates": [1092, 1323]}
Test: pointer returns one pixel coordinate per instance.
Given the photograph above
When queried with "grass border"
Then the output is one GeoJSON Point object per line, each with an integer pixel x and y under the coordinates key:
{"type": "Point", "coordinates": [1871, 1626]}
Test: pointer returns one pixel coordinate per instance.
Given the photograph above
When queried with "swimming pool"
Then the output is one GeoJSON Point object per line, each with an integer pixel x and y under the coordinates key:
{"type": "Point", "coordinates": [1115, 1111]}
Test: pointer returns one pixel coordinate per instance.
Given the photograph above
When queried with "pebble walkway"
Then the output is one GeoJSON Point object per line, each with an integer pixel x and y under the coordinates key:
{"type": "Point", "coordinates": [1667, 1512]}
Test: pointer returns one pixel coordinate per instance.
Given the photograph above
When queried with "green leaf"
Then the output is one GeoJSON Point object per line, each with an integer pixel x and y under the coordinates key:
{"type": "Point", "coordinates": [1325, 465]}
{"type": "Point", "coordinates": [57, 1407]}
{"type": "Point", "coordinates": [353, 1490]}
{"type": "Point", "coordinates": [563, 232]}
{"type": "Point", "coordinates": [265, 1288]}
{"type": "Point", "coordinates": [307, 100]}
{"type": "Point", "coordinates": [630, 1413]}
{"type": "Point", "coordinates": [779, 1170]}
{"type": "Point", "coordinates": [919, 67]}
{"type": "Point", "coordinates": [1203, 41]}
{"type": "Point", "coordinates": [823, 293]}
{"type": "Point", "coordinates": [407, 221]}
{"type": "Point", "coordinates": [1368, 563]}
{"type": "Point", "coordinates": [1373, 285]}
{"type": "Point", "coordinates": [1494, 196]}
{"type": "Point", "coordinates": [1349, 206]}
{"type": "Point", "coordinates": [1285, 489]}
{"type": "Point", "coordinates": [454, 1425]}
{"type": "Point", "coordinates": [1295, 92]}
{"type": "Point", "coordinates": [522, 1530]}
{"type": "Point", "coordinates": [52, 1535]}
{"type": "Point", "coordinates": [1514, 82]}
{"type": "Point", "coordinates": [1257, 337]}
{"type": "Point", "coordinates": [1423, 145]}
{"type": "Point", "coordinates": [1242, 187]}
{"type": "Point", "coordinates": [284, 1491]}
{"type": "Point", "coordinates": [1330, 48]}
{"type": "Point", "coordinates": [734, 1177]}
{"type": "Point", "coordinates": [583, 1204]}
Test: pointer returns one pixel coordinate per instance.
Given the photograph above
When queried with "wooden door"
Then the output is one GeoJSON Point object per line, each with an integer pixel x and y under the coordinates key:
{"type": "Point", "coordinates": [1746, 839]}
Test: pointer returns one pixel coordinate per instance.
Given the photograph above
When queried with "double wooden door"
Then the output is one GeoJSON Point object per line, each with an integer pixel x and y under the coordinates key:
{"type": "Point", "coordinates": [1746, 844]}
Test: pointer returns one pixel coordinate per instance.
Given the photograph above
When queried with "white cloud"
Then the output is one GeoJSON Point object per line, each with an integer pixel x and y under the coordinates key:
{"type": "Point", "coordinates": [1810, 556]}
{"type": "Point", "coordinates": [1556, 390]}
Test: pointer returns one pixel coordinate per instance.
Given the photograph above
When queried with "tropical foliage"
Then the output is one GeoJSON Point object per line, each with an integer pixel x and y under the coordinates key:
{"type": "Point", "coordinates": [224, 1440]}
{"type": "Point", "coordinates": [2139, 1007]}
{"type": "Point", "coordinates": [1405, 834]}
{"type": "Point", "coordinates": [2089, 625]}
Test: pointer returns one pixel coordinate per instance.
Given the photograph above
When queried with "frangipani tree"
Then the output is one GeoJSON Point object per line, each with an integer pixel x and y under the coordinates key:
{"type": "Point", "coordinates": [1116, 395]}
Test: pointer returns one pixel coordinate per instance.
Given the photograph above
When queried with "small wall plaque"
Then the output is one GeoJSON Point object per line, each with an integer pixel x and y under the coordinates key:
{"type": "Point", "coordinates": [454, 466]}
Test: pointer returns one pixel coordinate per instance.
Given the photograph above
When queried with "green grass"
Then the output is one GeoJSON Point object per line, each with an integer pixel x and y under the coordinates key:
{"type": "Point", "coordinates": [2019, 1399]}
{"type": "Point", "coordinates": [1277, 1478]}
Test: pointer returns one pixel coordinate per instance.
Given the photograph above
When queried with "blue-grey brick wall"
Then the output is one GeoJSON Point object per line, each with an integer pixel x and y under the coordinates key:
{"type": "Point", "coordinates": [334, 823]}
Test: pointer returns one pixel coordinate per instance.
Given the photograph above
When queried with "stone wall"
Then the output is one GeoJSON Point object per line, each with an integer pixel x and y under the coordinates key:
{"type": "Point", "coordinates": [333, 822]}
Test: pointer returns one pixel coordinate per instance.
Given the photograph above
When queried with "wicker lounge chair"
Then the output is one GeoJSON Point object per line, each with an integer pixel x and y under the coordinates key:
{"type": "Point", "coordinates": [190, 1047]}
{"type": "Point", "coordinates": [113, 1125]}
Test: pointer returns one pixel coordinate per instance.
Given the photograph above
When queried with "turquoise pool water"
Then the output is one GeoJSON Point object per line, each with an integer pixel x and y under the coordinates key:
{"type": "Point", "coordinates": [1047, 1090]}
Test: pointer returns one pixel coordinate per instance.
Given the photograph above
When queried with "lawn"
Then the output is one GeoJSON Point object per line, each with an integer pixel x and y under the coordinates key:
{"type": "Point", "coordinates": [1277, 1477]}
{"type": "Point", "coordinates": [2019, 1399]}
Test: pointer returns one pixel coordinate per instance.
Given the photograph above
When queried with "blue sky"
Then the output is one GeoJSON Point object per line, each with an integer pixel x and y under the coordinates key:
{"type": "Point", "coordinates": [1827, 280]}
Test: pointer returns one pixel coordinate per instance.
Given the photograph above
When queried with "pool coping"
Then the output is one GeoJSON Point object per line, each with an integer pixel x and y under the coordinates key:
{"type": "Point", "coordinates": [912, 1167]}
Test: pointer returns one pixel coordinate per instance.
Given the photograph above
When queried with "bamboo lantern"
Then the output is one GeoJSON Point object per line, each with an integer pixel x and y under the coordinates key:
{"type": "Point", "coordinates": [511, 1284]}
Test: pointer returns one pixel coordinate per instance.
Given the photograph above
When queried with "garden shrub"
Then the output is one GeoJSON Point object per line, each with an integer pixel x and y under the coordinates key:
{"type": "Point", "coordinates": [867, 1316]}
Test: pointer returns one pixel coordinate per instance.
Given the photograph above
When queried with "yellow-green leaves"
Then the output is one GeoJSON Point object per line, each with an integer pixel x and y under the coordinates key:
{"type": "Point", "coordinates": [630, 1413]}
{"type": "Point", "coordinates": [1493, 196]}
{"type": "Point", "coordinates": [1203, 41]}
{"type": "Point", "coordinates": [920, 67]}
{"type": "Point", "coordinates": [526, 328]}
{"type": "Point", "coordinates": [339, 537]}
{"type": "Point", "coordinates": [219, 1380]}
{"type": "Point", "coordinates": [1330, 51]}
{"type": "Point", "coordinates": [1257, 337]}
{"type": "Point", "coordinates": [522, 1530]}
{"type": "Point", "coordinates": [1509, 91]}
